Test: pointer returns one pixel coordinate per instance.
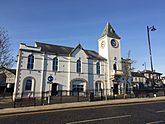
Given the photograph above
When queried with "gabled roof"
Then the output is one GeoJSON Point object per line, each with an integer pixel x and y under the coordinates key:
{"type": "Point", "coordinates": [109, 31]}
{"type": "Point", "coordinates": [65, 51]}
{"type": "Point", "coordinates": [58, 50]}
{"type": "Point", "coordinates": [9, 69]}
{"type": "Point", "coordinates": [78, 46]}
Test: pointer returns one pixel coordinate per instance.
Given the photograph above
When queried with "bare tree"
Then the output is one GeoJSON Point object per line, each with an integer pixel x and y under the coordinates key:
{"type": "Point", "coordinates": [6, 58]}
{"type": "Point", "coordinates": [127, 72]}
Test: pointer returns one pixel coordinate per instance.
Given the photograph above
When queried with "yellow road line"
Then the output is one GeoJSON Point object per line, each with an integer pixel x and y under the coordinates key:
{"type": "Point", "coordinates": [76, 108]}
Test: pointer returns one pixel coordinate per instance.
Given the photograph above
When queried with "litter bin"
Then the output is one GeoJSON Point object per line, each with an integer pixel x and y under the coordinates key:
{"type": "Point", "coordinates": [91, 96]}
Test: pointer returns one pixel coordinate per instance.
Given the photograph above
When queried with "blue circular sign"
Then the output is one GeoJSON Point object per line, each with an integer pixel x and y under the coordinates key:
{"type": "Point", "coordinates": [50, 78]}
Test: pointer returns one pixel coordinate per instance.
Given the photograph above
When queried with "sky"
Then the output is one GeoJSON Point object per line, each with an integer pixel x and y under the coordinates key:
{"type": "Point", "coordinates": [69, 22]}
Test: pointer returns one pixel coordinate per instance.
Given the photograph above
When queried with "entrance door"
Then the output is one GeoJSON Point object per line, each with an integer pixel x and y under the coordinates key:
{"type": "Point", "coordinates": [54, 89]}
{"type": "Point", "coordinates": [98, 88]}
{"type": "Point", "coordinates": [115, 90]}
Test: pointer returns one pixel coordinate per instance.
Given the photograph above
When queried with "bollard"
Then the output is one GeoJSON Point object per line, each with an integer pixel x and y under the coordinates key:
{"type": "Point", "coordinates": [49, 99]}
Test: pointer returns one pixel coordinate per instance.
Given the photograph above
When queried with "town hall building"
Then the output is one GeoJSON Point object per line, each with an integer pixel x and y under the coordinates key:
{"type": "Point", "coordinates": [48, 67]}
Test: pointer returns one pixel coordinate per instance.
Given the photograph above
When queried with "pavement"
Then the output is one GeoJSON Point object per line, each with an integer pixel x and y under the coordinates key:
{"type": "Point", "coordinates": [11, 111]}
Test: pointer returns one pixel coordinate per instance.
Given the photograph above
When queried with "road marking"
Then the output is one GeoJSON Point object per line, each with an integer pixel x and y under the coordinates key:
{"type": "Point", "coordinates": [160, 111]}
{"type": "Point", "coordinates": [99, 119]}
{"type": "Point", "coordinates": [154, 122]}
{"type": "Point", "coordinates": [76, 108]}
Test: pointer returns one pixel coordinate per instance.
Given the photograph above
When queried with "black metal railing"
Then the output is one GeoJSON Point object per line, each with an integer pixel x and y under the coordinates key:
{"type": "Point", "coordinates": [68, 96]}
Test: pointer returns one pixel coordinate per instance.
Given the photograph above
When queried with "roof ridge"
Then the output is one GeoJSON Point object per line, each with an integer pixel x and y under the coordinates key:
{"type": "Point", "coordinates": [64, 46]}
{"type": "Point", "coordinates": [64, 50]}
{"type": "Point", "coordinates": [54, 45]}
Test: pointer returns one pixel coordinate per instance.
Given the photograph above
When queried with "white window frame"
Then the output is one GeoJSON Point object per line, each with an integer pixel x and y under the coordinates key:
{"type": "Point", "coordinates": [80, 66]}
{"type": "Point", "coordinates": [57, 64]}
{"type": "Point", "coordinates": [26, 85]}
{"type": "Point", "coordinates": [30, 65]}
{"type": "Point", "coordinates": [99, 66]}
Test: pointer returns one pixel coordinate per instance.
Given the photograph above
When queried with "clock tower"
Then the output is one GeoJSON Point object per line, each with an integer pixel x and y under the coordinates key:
{"type": "Point", "coordinates": [110, 48]}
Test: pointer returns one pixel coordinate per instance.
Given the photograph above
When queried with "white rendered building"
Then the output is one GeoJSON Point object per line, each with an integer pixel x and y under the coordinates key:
{"type": "Point", "coordinates": [47, 67]}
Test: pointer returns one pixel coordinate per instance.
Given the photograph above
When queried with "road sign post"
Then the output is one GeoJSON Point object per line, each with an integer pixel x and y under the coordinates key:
{"type": "Point", "coordinates": [50, 81]}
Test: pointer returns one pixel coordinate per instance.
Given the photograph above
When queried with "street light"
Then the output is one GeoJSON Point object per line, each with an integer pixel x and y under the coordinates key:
{"type": "Point", "coordinates": [149, 44]}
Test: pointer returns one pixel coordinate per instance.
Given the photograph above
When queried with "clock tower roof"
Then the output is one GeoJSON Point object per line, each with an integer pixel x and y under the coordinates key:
{"type": "Point", "coordinates": [109, 31]}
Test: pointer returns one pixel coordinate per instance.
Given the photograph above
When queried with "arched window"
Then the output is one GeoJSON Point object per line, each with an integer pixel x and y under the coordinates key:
{"type": "Point", "coordinates": [55, 64]}
{"type": "Point", "coordinates": [98, 68]}
{"type": "Point", "coordinates": [28, 85]}
{"type": "Point", "coordinates": [30, 63]}
{"type": "Point", "coordinates": [98, 86]}
{"type": "Point", "coordinates": [78, 66]}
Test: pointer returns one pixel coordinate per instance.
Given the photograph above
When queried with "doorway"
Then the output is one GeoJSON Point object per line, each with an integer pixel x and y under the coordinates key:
{"type": "Point", "coordinates": [54, 89]}
{"type": "Point", "coordinates": [115, 90]}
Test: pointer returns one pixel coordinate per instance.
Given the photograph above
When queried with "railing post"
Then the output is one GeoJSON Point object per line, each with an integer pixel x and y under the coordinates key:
{"type": "Point", "coordinates": [78, 96]}
{"type": "Point", "coordinates": [21, 99]}
{"type": "Point", "coordinates": [60, 96]}
{"type": "Point", "coordinates": [14, 102]}
{"type": "Point", "coordinates": [34, 98]}
{"type": "Point", "coordinates": [42, 98]}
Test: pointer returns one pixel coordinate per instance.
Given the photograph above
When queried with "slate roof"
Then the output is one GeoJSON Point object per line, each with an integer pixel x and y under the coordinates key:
{"type": "Point", "coordinates": [10, 70]}
{"type": "Point", "coordinates": [109, 31]}
{"type": "Point", "coordinates": [65, 50]}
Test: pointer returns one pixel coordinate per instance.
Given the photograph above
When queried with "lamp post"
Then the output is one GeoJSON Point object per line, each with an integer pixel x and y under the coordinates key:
{"type": "Point", "coordinates": [144, 66]}
{"type": "Point", "coordinates": [150, 51]}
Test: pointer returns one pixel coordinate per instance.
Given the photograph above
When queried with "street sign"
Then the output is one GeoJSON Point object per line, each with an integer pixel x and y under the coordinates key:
{"type": "Point", "coordinates": [50, 79]}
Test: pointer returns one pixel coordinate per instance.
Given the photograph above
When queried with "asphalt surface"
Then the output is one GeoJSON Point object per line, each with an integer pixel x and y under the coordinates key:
{"type": "Point", "coordinates": [140, 113]}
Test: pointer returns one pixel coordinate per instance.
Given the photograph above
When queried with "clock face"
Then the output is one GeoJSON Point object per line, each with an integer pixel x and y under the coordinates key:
{"type": "Point", "coordinates": [102, 44]}
{"type": "Point", "coordinates": [114, 43]}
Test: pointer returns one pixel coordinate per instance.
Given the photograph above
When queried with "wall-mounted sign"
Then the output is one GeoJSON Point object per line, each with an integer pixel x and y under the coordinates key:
{"type": "Point", "coordinates": [50, 79]}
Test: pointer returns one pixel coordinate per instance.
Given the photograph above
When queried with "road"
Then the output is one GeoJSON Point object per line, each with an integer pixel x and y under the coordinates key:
{"type": "Point", "coordinates": [143, 113]}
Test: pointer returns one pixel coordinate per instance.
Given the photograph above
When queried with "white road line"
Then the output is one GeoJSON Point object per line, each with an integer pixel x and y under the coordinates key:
{"type": "Point", "coordinates": [160, 111]}
{"type": "Point", "coordinates": [154, 122]}
{"type": "Point", "coordinates": [98, 119]}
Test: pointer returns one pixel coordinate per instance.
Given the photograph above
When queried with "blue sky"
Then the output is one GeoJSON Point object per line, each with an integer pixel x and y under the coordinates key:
{"type": "Point", "coordinates": [69, 22]}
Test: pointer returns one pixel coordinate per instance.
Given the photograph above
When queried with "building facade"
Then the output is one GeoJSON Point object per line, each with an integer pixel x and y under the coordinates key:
{"type": "Point", "coordinates": [163, 79]}
{"type": "Point", "coordinates": [138, 80]}
{"type": "Point", "coordinates": [7, 79]}
{"type": "Point", "coordinates": [46, 67]}
{"type": "Point", "coordinates": [153, 78]}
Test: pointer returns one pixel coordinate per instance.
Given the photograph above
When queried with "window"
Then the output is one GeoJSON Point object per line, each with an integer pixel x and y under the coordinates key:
{"type": "Point", "coordinates": [98, 68]}
{"type": "Point", "coordinates": [28, 84]}
{"type": "Point", "coordinates": [55, 64]}
{"type": "Point", "coordinates": [78, 66]}
{"type": "Point", "coordinates": [114, 67]}
{"type": "Point", "coordinates": [30, 62]}
{"type": "Point", "coordinates": [98, 86]}
{"type": "Point", "coordinates": [79, 88]}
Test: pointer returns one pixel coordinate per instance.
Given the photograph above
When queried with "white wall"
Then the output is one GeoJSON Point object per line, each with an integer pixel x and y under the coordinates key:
{"type": "Point", "coordinates": [66, 70]}
{"type": "Point", "coordinates": [110, 53]}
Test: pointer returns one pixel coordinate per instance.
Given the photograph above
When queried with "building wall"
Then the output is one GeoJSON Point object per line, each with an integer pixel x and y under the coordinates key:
{"type": "Point", "coordinates": [139, 79]}
{"type": "Point", "coordinates": [110, 53]}
{"type": "Point", "coordinates": [64, 76]}
{"type": "Point", "coordinates": [7, 80]}
{"type": "Point", "coordinates": [163, 80]}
